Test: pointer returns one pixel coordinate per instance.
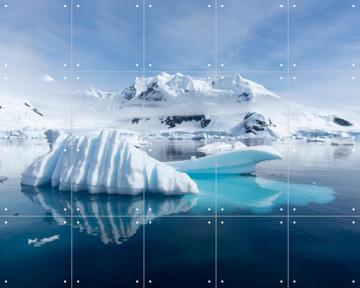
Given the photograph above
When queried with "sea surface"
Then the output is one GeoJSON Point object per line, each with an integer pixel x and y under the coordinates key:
{"type": "Point", "coordinates": [296, 222]}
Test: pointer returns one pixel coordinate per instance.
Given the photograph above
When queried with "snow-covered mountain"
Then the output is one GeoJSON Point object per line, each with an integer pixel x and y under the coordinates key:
{"type": "Point", "coordinates": [166, 87]}
{"type": "Point", "coordinates": [231, 104]}
{"type": "Point", "coordinates": [178, 103]}
{"type": "Point", "coordinates": [20, 119]}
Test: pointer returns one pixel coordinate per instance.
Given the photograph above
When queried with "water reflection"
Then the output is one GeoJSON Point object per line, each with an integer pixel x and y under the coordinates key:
{"type": "Point", "coordinates": [260, 195]}
{"type": "Point", "coordinates": [113, 218]}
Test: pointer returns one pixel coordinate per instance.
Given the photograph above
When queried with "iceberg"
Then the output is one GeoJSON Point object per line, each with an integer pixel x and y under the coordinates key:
{"type": "Point", "coordinates": [241, 160]}
{"type": "Point", "coordinates": [105, 163]}
{"type": "Point", "coordinates": [217, 147]}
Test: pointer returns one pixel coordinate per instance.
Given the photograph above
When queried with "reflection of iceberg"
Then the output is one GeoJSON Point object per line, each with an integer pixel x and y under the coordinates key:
{"type": "Point", "coordinates": [238, 161]}
{"type": "Point", "coordinates": [104, 163]}
{"type": "Point", "coordinates": [261, 195]}
{"type": "Point", "coordinates": [111, 217]}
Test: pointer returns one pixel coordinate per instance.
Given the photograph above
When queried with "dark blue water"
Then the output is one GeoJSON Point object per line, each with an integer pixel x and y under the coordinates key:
{"type": "Point", "coordinates": [161, 241]}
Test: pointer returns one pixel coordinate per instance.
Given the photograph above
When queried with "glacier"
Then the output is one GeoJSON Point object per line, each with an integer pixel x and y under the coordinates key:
{"type": "Point", "coordinates": [105, 163]}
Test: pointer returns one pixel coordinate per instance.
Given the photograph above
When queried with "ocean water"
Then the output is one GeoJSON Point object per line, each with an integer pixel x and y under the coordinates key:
{"type": "Point", "coordinates": [296, 220]}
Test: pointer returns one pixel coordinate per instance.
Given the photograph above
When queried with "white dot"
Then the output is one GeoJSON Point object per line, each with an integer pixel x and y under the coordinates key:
{"type": "Point", "coordinates": [7, 281]}
{"type": "Point", "coordinates": [294, 150]}
{"type": "Point", "coordinates": [353, 78]}
{"type": "Point", "coordinates": [294, 281]}
{"type": "Point", "coordinates": [150, 65]}
{"type": "Point", "coordinates": [77, 150]}
{"type": "Point", "coordinates": [150, 209]}
{"type": "Point", "coordinates": [64, 222]}
{"type": "Point", "coordinates": [65, 6]}
{"type": "Point", "coordinates": [209, 222]}
{"type": "Point", "coordinates": [5, 222]}
{"type": "Point", "coordinates": [209, 6]}
{"type": "Point", "coordinates": [222, 64]}
{"type": "Point", "coordinates": [137, 65]}
{"type": "Point", "coordinates": [209, 209]}
{"type": "Point", "coordinates": [77, 78]}
{"type": "Point", "coordinates": [222, 209]}
{"type": "Point", "coordinates": [281, 209]}
{"type": "Point", "coordinates": [150, 222]}
{"type": "Point", "coordinates": [222, 5]}
{"type": "Point", "coordinates": [222, 281]}
{"type": "Point", "coordinates": [137, 6]}
{"type": "Point", "coordinates": [137, 209]}
{"type": "Point", "coordinates": [64, 281]}
{"type": "Point", "coordinates": [294, 6]}
{"type": "Point", "coordinates": [65, 77]}
{"type": "Point", "coordinates": [64, 209]}
{"type": "Point", "coordinates": [77, 281]}
{"type": "Point", "coordinates": [77, 6]}
{"type": "Point", "coordinates": [281, 222]}
{"type": "Point", "coordinates": [150, 5]}
{"type": "Point", "coordinates": [294, 65]}
{"type": "Point", "coordinates": [353, 281]}
{"type": "Point", "coordinates": [209, 281]}
{"type": "Point", "coordinates": [65, 65]}
{"type": "Point", "coordinates": [281, 65]}
{"type": "Point", "coordinates": [137, 222]}
{"type": "Point", "coordinates": [6, 78]}
{"type": "Point", "coordinates": [353, 65]}
{"type": "Point", "coordinates": [294, 78]}
{"type": "Point", "coordinates": [294, 222]}
{"type": "Point", "coordinates": [77, 65]}
{"type": "Point", "coordinates": [64, 149]}
{"type": "Point", "coordinates": [222, 222]}
{"type": "Point", "coordinates": [150, 149]}
{"type": "Point", "coordinates": [5, 65]}
{"type": "Point", "coordinates": [281, 281]}
{"type": "Point", "coordinates": [294, 209]}
{"type": "Point", "coordinates": [281, 78]}
{"type": "Point", "coordinates": [5, 209]}
{"type": "Point", "coordinates": [353, 222]}
{"type": "Point", "coordinates": [209, 65]}
{"type": "Point", "coordinates": [77, 222]}
{"type": "Point", "coordinates": [137, 281]}
{"type": "Point", "coordinates": [77, 209]}
{"type": "Point", "coordinates": [281, 6]}
{"type": "Point", "coordinates": [353, 6]}
{"type": "Point", "coordinates": [150, 281]}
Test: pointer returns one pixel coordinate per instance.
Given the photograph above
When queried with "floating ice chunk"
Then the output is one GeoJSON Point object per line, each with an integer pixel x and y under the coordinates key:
{"type": "Point", "coordinates": [217, 147]}
{"type": "Point", "coordinates": [38, 243]}
{"type": "Point", "coordinates": [105, 163]}
{"type": "Point", "coordinates": [237, 161]}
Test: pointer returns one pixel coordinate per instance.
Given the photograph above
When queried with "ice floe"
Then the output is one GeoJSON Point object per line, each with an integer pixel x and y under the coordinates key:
{"type": "Point", "coordinates": [240, 160]}
{"type": "Point", "coordinates": [38, 243]}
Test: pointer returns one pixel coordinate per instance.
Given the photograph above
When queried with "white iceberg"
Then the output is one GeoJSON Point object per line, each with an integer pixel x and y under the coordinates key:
{"type": "Point", "coordinates": [217, 147]}
{"type": "Point", "coordinates": [105, 163]}
{"type": "Point", "coordinates": [237, 161]}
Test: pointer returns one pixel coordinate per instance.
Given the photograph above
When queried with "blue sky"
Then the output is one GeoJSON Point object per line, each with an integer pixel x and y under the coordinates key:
{"type": "Point", "coordinates": [109, 37]}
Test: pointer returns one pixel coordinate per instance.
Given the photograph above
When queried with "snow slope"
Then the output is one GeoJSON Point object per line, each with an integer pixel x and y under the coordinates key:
{"type": "Point", "coordinates": [104, 163]}
{"type": "Point", "coordinates": [20, 119]}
